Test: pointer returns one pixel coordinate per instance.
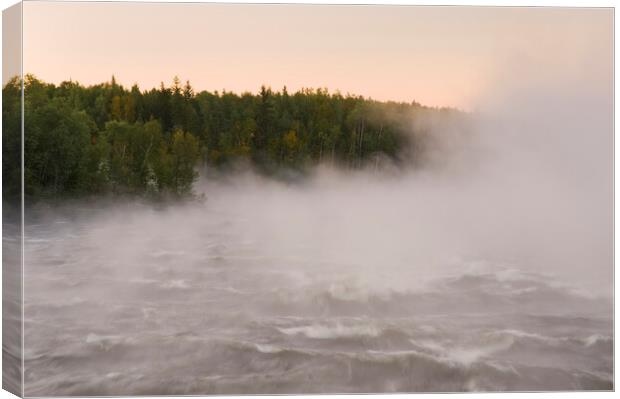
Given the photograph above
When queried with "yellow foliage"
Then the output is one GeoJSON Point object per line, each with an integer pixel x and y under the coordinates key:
{"type": "Point", "coordinates": [115, 111]}
{"type": "Point", "coordinates": [291, 141]}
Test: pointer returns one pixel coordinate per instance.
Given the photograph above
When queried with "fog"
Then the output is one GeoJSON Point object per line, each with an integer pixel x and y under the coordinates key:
{"type": "Point", "coordinates": [487, 266]}
{"type": "Point", "coordinates": [528, 183]}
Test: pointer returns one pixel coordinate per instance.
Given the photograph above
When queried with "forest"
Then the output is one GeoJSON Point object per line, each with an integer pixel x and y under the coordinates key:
{"type": "Point", "coordinates": [109, 139]}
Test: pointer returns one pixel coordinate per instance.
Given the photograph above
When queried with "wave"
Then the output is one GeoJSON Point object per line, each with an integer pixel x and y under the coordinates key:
{"type": "Point", "coordinates": [228, 365]}
{"type": "Point", "coordinates": [464, 355]}
{"type": "Point", "coordinates": [504, 291]}
{"type": "Point", "coordinates": [594, 339]}
{"type": "Point", "coordinates": [337, 330]}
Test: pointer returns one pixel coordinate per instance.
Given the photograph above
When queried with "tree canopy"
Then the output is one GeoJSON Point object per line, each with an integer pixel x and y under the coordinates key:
{"type": "Point", "coordinates": [107, 138]}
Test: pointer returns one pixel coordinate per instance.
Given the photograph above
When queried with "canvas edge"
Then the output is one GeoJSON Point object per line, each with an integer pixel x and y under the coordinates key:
{"type": "Point", "coordinates": [12, 221]}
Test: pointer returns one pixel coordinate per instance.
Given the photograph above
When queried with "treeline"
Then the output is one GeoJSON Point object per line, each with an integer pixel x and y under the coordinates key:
{"type": "Point", "coordinates": [110, 139]}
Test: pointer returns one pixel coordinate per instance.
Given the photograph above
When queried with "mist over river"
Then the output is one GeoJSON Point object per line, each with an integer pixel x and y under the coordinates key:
{"type": "Point", "coordinates": [333, 243]}
{"type": "Point", "coordinates": [341, 284]}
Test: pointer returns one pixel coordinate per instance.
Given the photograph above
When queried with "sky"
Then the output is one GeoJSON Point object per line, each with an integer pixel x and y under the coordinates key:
{"type": "Point", "coordinates": [438, 56]}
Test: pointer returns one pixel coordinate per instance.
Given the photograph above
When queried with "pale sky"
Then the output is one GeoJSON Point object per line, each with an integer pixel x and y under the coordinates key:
{"type": "Point", "coordinates": [439, 56]}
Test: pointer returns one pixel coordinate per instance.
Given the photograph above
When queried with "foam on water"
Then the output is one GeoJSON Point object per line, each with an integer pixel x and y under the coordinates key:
{"type": "Point", "coordinates": [190, 300]}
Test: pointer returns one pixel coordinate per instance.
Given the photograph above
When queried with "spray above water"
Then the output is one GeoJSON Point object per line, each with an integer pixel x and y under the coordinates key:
{"type": "Point", "coordinates": [486, 269]}
{"type": "Point", "coordinates": [480, 260]}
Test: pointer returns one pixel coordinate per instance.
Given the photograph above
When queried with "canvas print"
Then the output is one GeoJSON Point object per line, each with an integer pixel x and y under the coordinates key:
{"type": "Point", "coordinates": [205, 199]}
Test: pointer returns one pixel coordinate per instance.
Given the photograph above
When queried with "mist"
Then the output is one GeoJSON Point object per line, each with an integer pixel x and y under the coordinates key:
{"type": "Point", "coordinates": [265, 286]}
{"type": "Point", "coordinates": [484, 263]}
{"type": "Point", "coordinates": [527, 184]}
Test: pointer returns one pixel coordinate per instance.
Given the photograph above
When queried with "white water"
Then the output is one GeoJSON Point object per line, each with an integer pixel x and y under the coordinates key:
{"type": "Point", "coordinates": [352, 285]}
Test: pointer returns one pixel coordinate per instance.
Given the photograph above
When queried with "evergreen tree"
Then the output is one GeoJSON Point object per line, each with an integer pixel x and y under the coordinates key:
{"type": "Point", "coordinates": [105, 138]}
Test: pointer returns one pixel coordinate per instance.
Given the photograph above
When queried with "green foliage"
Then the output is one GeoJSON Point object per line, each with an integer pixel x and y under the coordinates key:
{"type": "Point", "coordinates": [54, 148]}
{"type": "Point", "coordinates": [11, 139]}
{"type": "Point", "coordinates": [184, 154]}
{"type": "Point", "coordinates": [109, 139]}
